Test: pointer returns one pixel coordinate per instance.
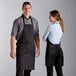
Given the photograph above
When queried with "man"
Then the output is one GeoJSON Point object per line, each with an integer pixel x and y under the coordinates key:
{"type": "Point", "coordinates": [25, 30]}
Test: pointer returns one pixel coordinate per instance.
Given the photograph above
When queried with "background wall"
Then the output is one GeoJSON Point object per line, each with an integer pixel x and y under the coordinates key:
{"type": "Point", "coordinates": [11, 9]}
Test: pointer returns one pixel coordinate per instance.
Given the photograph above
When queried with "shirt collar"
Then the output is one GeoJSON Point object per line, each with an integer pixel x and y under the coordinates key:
{"type": "Point", "coordinates": [26, 18]}
{"type": "Point", "coordinates": [57, 22]}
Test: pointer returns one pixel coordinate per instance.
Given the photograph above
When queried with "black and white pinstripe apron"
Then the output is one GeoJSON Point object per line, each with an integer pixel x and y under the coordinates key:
{"type": "Point", "coordinates": [25, 53]}
{"type": "Point", "coordinates": [54, 55]}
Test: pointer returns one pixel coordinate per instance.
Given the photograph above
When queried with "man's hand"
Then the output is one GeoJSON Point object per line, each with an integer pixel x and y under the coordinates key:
{"type": "Point", "coordinates": [37, 52]}
{"type": "Point", "coordinates": [12, 54]}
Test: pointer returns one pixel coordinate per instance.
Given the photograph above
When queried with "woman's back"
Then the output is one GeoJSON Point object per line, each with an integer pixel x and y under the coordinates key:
{"type": "Point", "coordinates": [55, 33]}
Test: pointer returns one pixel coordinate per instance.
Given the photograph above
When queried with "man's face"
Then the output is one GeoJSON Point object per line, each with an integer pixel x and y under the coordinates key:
{"type": "Point", "coordinates": [27, 9]}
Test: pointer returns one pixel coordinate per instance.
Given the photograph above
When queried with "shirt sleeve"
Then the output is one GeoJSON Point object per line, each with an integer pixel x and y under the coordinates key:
{"type": "Point", "coordinates": [14, 28]}
{"type": "Point", "coordinates": [37, 29]}
{"type": "Point", "coordinates": [45, 36]}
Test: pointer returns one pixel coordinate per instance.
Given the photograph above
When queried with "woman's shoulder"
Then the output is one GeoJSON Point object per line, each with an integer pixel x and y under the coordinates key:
{"type": "Point", "coordinates": [53, 24]}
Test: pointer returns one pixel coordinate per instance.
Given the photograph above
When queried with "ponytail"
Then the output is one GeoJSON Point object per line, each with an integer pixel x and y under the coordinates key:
{"type": "Point", "coordinates": [56, 14]}
{"type": "Point", "coordinates": [62, 24]}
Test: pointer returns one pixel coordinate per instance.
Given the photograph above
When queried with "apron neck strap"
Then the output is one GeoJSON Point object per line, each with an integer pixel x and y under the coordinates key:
{"type": "Point", "coordinates": [24, 19]}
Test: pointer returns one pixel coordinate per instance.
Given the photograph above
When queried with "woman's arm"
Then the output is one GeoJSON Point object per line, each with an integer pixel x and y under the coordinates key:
{"type": "Point", "coordinates": [45, 36]}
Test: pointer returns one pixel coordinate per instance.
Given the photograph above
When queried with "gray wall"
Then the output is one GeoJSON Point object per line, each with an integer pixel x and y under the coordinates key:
{"type": "Point", "coordinates": [11, 9]}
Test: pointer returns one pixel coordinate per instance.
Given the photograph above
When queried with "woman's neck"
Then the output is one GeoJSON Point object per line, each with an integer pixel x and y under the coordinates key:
{"type": "Point", "coordinates": [54, 21]}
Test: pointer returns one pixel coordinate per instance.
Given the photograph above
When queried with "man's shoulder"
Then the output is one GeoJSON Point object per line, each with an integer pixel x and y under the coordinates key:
{"type": "Point", "coordinates": [18, 18]}
{"type": "Point", "coordinates": [34, 19]}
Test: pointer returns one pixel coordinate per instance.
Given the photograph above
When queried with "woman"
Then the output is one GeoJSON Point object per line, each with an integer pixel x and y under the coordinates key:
{"type": "Point", "coordinates": [53, 35]}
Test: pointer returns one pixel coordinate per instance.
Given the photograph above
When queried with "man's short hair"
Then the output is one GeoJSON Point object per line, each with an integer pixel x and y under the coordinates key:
{"type": "Point", "coordinates": [26, 3]}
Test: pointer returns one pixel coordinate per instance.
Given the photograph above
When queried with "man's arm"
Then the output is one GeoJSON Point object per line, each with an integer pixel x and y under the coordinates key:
{"type": "Point", "coordinates": [37, 41]}
{"type": "Point", "coordinates": [13, 38]}
{"type": "Point", "coordinates": [12, 46]}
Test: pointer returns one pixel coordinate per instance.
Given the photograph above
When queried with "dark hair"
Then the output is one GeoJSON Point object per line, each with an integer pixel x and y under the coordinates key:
{"type": "Point", "coordinates": [56, 14]}
{"type": "Point", "coordinates": [26, 3]}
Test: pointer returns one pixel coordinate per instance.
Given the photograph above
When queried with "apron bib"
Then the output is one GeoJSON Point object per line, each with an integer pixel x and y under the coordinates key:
{"type": "Point", "coordinates": [25, 52]}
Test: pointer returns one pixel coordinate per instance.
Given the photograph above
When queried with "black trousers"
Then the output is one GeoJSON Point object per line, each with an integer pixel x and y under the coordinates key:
{"type": "Point", "coordinates": [23, 72]}
{"type": "Point", "coordinates": [58, 71]}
